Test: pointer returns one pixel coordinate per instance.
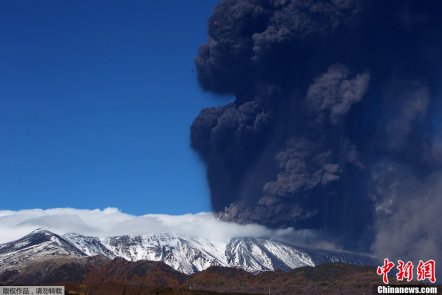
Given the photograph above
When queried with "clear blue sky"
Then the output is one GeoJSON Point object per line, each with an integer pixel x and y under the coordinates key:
{"type": "Point", "coordinates": [96, 102]}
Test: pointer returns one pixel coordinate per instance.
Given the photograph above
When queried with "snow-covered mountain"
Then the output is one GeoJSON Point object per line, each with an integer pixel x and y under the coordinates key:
{"type": "Point", "coordinates": [184, 254]}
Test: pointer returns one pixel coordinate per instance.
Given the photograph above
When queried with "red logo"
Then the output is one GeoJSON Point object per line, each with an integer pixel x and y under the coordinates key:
{"type": "Point", "coordinates": [425, 270]}
{"type": "Point", "coordinates": [405, 271]}
{"type": "Point", "coordinates": [385, 269]}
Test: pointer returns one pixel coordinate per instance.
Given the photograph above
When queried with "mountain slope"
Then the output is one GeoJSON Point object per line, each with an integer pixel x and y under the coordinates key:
{"type": "Point", "coordinates": [187, 255]}
{"type": "Point", "coordinates": [252, 254]}
{"type": "Point", "coordinates": [184, 254]}
{"type": "Point", "coordinates": [98, 275]}
{"type": "Point", "coordinates": [39, 244]}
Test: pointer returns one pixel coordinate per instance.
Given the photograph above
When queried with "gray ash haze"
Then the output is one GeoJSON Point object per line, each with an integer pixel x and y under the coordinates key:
{"type": "Point", "coordinates": [336, 125]}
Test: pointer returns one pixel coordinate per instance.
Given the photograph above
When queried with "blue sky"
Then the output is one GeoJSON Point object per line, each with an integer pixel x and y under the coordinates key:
{"type": "Point", "coordinates": [96, 102]}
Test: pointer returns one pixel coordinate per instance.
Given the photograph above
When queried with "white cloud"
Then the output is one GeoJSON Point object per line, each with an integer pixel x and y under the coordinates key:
{"type": "Point", "coordinates": [111, 222]}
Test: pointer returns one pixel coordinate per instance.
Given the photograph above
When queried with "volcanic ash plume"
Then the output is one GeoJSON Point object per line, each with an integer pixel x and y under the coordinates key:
{"type": "Point", "coordinates": [335, 124]}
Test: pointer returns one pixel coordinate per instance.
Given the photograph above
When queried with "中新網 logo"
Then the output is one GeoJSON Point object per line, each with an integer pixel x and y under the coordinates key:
{"type": "Point", "coordinates": [424, 270]}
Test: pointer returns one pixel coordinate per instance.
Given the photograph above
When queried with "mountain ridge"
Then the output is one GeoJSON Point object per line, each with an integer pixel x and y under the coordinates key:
{"type": "Point", "coordinates": [185, 254]}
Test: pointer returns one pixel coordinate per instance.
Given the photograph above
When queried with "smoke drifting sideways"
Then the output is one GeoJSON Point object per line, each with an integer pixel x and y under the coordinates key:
{"type": "Point", "coordinates": [336, 126]}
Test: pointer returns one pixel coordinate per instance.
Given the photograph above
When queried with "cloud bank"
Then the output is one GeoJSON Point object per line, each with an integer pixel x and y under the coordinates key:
{"type": "Point", "coordinates": [112, 222]}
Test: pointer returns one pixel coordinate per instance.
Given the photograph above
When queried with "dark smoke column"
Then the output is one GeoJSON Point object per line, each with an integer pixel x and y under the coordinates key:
{"type": "Point", "coordinates": [322, 98]}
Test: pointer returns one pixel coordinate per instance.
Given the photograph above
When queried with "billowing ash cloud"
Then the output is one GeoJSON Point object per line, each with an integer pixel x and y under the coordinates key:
{"type": "Point", "coordinates": [333, 93]}
{"type": "Point", "coordinates": [409, 212]}
{"type": "Point", "coordinates": [336, 122]}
